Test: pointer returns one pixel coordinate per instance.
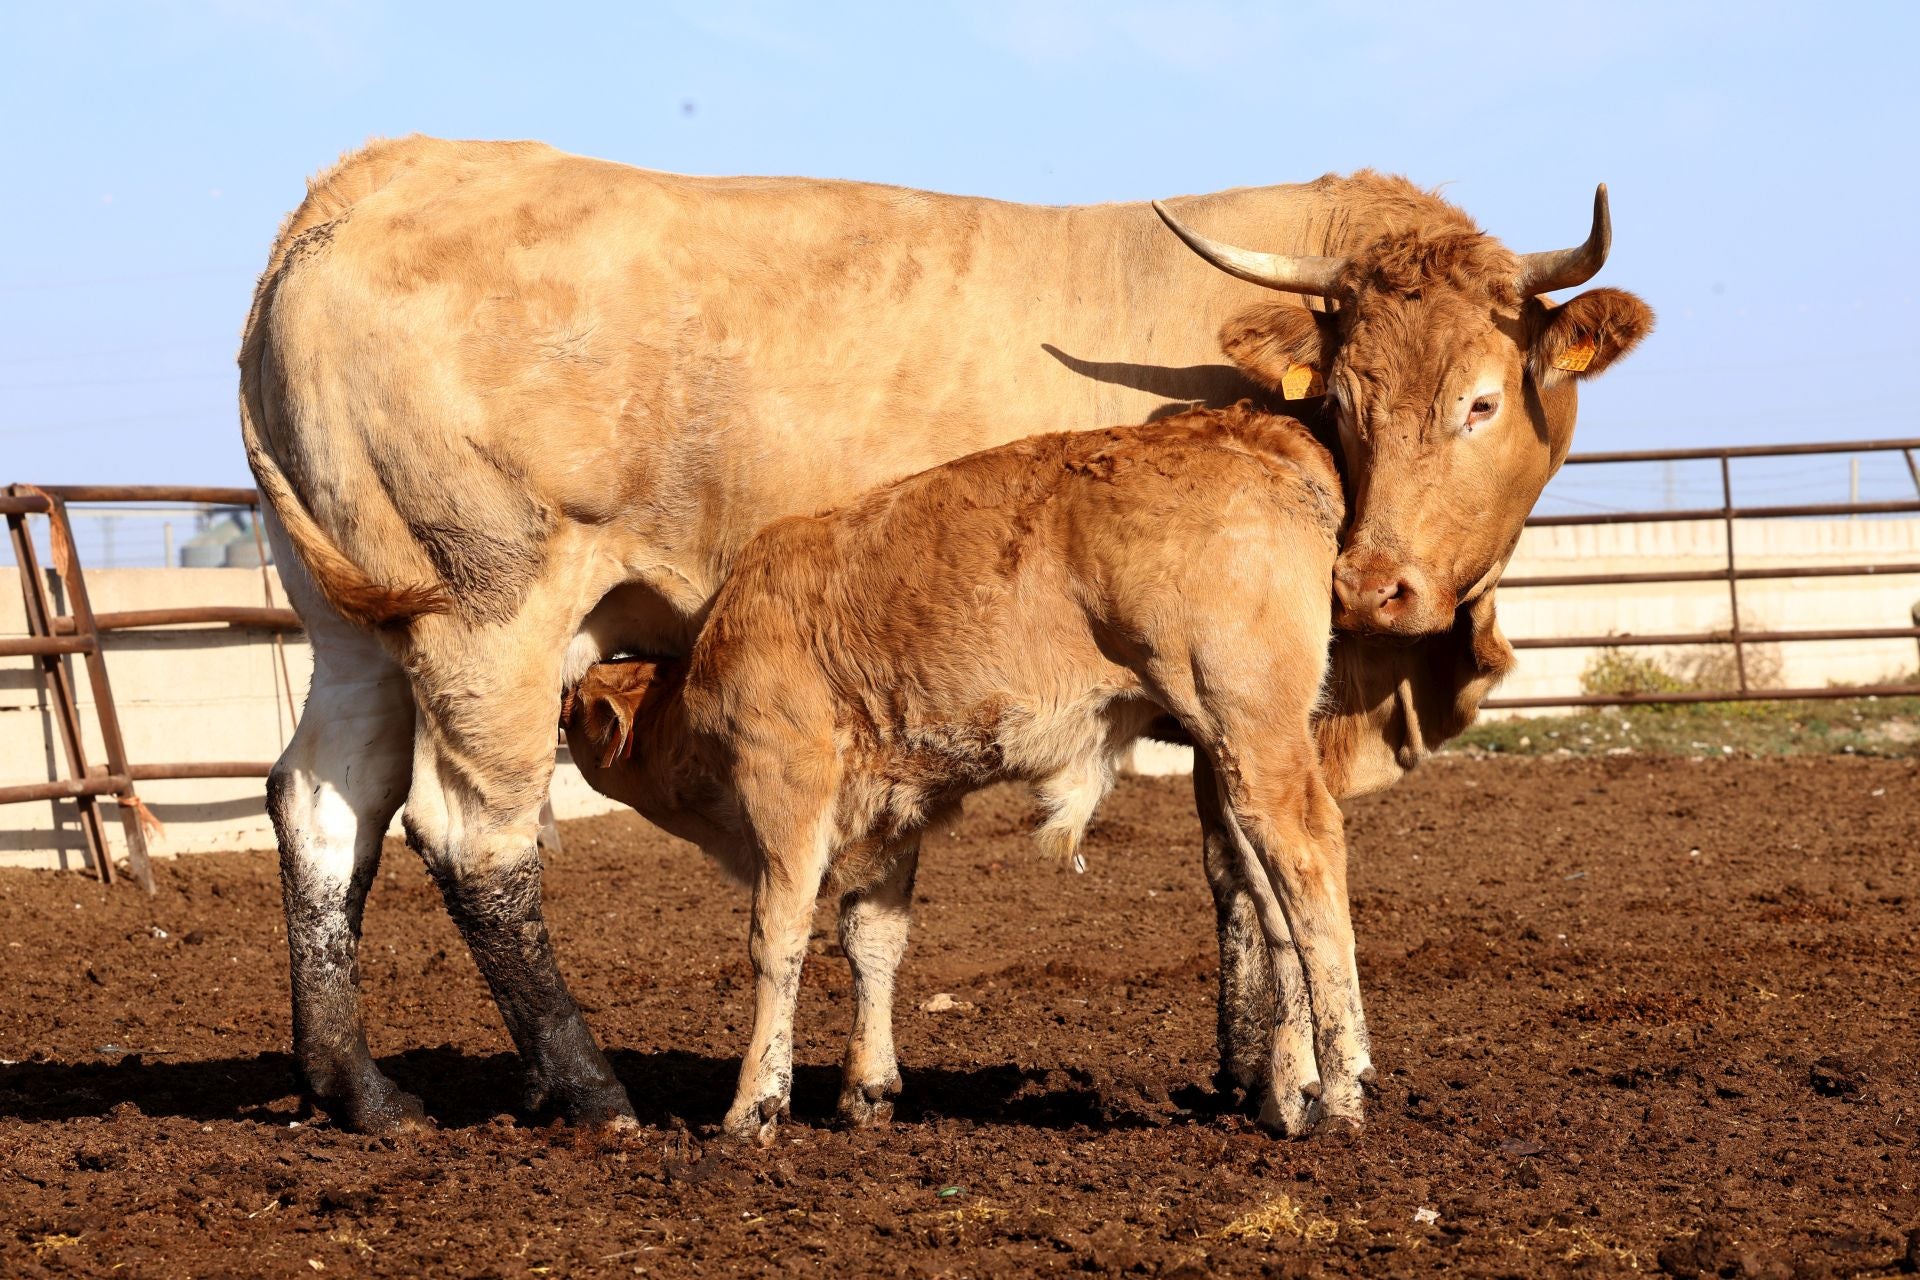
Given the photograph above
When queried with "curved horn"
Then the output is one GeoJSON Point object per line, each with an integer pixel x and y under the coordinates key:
{"type": "Point", "coordinates": [1566, 268]}
{"type": "Point", "coordinates": [1273, 270]}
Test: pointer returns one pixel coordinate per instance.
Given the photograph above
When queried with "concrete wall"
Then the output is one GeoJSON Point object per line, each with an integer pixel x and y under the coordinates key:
{"type": "Point", "coordinates": [216, 694]}
{"type": "Point", "coordinates": [1673, 608]}
{"type": "Point", "coordinates": [194, 694]}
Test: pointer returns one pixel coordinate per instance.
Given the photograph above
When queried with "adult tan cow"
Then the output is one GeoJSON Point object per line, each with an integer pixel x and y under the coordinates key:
{"type": "Point", "coordinates": [513, 410]}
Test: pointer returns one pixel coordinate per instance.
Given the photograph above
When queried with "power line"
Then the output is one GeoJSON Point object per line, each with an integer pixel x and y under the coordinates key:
{"type": "Point", "coordinates": [102, 424]}
{"type": "Point", "coordinates": [63, 357]}
{"type": "Point", "coordinates": [223, 375]}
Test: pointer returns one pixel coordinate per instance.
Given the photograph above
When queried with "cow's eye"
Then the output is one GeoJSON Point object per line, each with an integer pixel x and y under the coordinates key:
{"type": "Point", "coordinates": [1483, 407]}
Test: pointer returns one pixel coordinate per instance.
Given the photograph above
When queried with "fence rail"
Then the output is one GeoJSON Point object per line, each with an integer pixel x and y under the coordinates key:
{"type": "Point", "coordinates": [1731, 574]}
{"type": "Point", "coordinates": [80, 632]}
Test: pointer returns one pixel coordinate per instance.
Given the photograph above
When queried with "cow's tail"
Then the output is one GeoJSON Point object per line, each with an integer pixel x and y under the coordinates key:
{"type": "Point", "coordinates": [353, 595]}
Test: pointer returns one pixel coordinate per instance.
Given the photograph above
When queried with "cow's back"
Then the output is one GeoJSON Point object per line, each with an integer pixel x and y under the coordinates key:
{"type": "Point", "coordinates": [489, 360]}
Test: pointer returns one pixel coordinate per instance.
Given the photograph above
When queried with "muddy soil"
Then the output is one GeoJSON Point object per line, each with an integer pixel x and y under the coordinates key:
{"type": "Point", "coordinates": [1630, 1015]}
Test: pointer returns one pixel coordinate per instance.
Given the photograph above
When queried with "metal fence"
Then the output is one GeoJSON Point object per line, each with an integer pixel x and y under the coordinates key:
{"type": "Point", "coordinates": [79, 631]}
{"type": "Point", "coordinates": [1727, 513]}
{"type": "Point", "coordinates": [1732, 574]}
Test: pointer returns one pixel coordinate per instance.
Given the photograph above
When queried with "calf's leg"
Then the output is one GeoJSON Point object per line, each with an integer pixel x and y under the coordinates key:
{"type": "Point", "coordinates": [1292, 826]}
{"type": "Point", "coordinates": [1265, 1023]}
{"type": "Point", "coordinates": [784, 890]}
{"type": "Point", "coordinates": [873, 933]}
{"type": "Point", "coordinates": [1246, 1005]}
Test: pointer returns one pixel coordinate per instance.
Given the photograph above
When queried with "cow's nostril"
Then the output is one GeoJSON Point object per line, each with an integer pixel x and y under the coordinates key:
{"type": "Point", "coordinates": [1390, 590]}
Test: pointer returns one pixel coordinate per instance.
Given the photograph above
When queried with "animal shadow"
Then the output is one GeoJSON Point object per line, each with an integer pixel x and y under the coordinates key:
{"type": "Point", "coordinates": [669, 1087]}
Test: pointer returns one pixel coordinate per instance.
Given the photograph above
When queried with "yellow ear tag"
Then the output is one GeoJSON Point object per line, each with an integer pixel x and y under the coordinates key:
{"type": "Point", "coordinates": [1301, 381]}
{"type": "Point", "coordinates": [1576, 358]}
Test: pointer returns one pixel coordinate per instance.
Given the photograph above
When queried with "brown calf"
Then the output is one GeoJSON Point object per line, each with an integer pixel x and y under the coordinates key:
{"type": "Point", "coordinates": [1023, 613]}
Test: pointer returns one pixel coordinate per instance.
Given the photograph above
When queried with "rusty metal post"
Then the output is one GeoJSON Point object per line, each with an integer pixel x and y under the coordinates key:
{"type": "Point", "coordinates": [82, 609]}
{"type": "Point", "coordinates": [57, 682]}
{"type": "Point", "coordinates": [1733, 575]}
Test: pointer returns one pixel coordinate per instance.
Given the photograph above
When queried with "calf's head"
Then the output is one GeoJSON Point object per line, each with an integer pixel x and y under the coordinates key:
{"type": "Point", "coordinates": [1453, 383]}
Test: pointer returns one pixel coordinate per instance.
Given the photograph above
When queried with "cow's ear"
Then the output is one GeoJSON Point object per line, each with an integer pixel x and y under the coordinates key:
{"type": "Point", "coordinates": [1584, 335]}
{"type": "Point", "coordinates": [1282, 345]}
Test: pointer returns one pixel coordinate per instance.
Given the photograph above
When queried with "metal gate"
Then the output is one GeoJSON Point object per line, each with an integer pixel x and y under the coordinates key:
{"type": "Point", "coordinates": [1731, 574]}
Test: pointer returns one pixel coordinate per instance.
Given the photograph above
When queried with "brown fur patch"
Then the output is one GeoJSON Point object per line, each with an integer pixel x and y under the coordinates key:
{"type": "Point", "coordinates": [1410, 262]}
{"type": "Point", "coordinates": [1389, 705]}
{"type": "Point", "coordinates": [606, 705]}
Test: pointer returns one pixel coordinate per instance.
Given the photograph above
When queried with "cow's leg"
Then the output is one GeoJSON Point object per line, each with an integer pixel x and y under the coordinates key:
{"type": "Point", "coordinates": [331, 796]}
{"type": "Point", "coordinates": [873, 933]}
{"type": "Point", "coordinates": [1246, 1008]}
{"type": "Point", "coordinates": [483, 760]}
{"type": "Point", "coordinates": [1276, 802]}
{"type": "Point", "coordinates": [1260, 1034]}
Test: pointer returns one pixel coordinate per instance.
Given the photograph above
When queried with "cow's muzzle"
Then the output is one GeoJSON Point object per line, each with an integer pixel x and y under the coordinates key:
{"type": "Point", "coordinates": [1374, 594]}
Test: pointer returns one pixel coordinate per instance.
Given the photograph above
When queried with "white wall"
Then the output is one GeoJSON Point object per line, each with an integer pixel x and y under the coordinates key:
{"type": "Point", "coordinates": [1801, 604]}
{"type": "Point", "coordinates": [207, 693]}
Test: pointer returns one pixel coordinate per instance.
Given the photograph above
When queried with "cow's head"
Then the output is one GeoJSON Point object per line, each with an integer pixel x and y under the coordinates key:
{"type": "Point", "coordinates": [1453, 383]}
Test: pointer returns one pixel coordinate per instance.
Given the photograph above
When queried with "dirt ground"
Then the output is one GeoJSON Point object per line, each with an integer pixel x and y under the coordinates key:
{"type": "Point", "coordinates": [1631, 1014]}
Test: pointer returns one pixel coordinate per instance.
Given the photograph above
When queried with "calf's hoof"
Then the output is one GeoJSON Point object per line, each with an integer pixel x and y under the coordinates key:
{"type": "Point", "coordinates": [868, 1105]}
{"type": "Point", "coordinates": [1336, 1112]}
{"type": "Point", "coordinates": [755, 1122]}
{"type": "Point", "coordinates": [1245, 1068]}
{"type": "Point", "coordinates": [1290, 1113]}
{"type": "Point", "coordinates": [1337, 1128]}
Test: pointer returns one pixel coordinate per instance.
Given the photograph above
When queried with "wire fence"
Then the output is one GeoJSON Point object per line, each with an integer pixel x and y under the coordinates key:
{"type": "Point", "coordinates": [153, 535]}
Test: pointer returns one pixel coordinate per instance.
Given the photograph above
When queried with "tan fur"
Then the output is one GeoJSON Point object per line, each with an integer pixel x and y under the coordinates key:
{"type": "Point", "coordinates": [1426, 321]}
{"type": "Point", "coordinates": [519, 409]}
{"type": "Point", "coordinates": [1390, 703]}
{"type": "Point", "coordinates": [544, 340]}
{"type": "Point", "coordinates": [1021, 613]}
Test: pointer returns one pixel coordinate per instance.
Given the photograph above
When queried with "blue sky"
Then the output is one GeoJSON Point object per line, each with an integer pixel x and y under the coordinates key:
{"type": "Point", "coordinates": [1761, 159]}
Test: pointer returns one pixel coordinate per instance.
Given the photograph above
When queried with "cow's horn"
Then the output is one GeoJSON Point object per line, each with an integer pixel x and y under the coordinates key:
{"type": "Point", "coordinates": [1274, 270]}
{"type": "Point", "coordinates": [1566, 268]}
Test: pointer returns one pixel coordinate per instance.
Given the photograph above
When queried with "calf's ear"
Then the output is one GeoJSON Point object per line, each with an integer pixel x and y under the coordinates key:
{"type": "Point", "coordinates": [1390, 705]}
{"type": "Point", "coordinates": [605, 705]}
{"type": "Point", "coordinates": [1282, 345]}
{"type": "Point", "coordinates": [1585, 334]}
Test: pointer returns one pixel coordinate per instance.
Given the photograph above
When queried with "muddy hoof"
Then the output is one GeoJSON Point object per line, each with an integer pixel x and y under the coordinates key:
{"type": "Point", "coordinates": [393, 1112]}
{"type": "Point", "coordinates": [1340, 1128]}
{"type": "Point", "coordinates": [1244, 1073]}
{"type": "Point", "coordinates": [868, 1106]}
{"type": "Point", "coordinates": [607, 1110]}
{"type": "Point", "coordinates": [1290, 1117]}
{"type": "Point", "coordinates": [757, 1123]}
{"type": "Point", "coordinates": [601, 1105]}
